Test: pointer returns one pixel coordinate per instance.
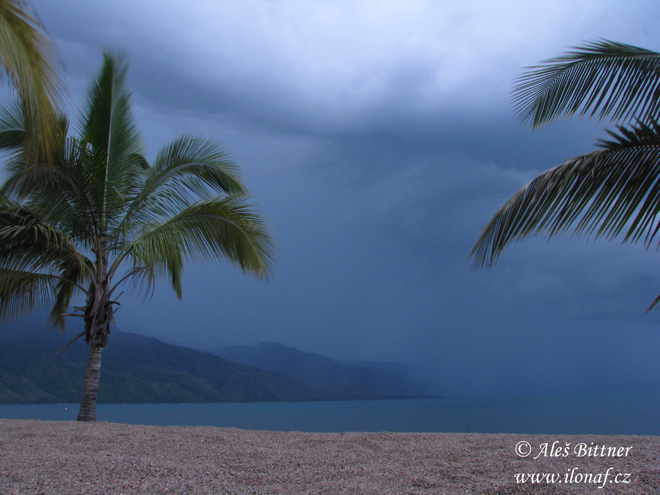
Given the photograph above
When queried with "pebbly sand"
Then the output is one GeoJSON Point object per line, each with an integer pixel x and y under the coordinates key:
{"type": "Point", "coordinates": [43, 457]}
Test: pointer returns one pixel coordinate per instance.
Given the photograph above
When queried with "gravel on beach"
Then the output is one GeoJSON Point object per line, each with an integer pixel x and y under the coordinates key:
{"type": "Point", "coordinates": [66, 457]}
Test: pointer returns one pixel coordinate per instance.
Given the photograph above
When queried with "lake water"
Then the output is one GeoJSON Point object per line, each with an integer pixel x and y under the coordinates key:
{"type": "Point", "coordinates": [629, 413]}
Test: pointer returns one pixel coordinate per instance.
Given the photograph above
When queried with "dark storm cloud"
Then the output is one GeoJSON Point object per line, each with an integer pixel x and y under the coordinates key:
{"type": "Point", "coordinates": [350, 67]}
{"type": "Point", "coordinates": [378, 138]}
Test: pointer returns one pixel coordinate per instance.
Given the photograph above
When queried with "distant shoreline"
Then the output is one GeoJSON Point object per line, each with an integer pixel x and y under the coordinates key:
{"type": "Point", "coordinates": [394, 397]}
{"type": "Point", "coordinates": [54, 457]}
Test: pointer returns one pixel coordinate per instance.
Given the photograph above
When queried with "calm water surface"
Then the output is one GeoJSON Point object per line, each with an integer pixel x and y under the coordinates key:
{"type": "Point", "coordinates": [630, 413]}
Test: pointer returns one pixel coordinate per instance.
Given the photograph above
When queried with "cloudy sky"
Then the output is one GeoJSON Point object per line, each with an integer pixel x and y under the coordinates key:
{"type": "Point", "coordinates": [378, 138]}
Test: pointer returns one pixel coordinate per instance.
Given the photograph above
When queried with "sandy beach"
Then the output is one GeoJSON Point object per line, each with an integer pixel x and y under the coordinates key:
{"type": "Point", "coordinates": [44, 457]}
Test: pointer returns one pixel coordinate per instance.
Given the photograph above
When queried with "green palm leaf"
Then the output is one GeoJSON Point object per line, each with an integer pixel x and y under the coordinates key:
{"type": "Point", "coordinates": [42, 260]}
{"type": "Point", "coordinates": [29, 58]}
{"type": "Point", "coordinates": [21, 292]}
{"type": "Point", "coordinates": [12, 127]}
{"type": "Point", "coordinates": [13, 124]}
{"type": "Point", "coordinates": [116, 146]}
{"type": "Point", "coordinates": [215, 229]}
{"type": "Point", "coordinates": [607, 192]}
{"type": "Point", "coordinates": [186, 170]}
{"type": "Point", "coordinates": [600, 79]}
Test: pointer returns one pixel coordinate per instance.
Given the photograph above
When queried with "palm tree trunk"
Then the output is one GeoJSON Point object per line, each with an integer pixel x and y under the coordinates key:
{"type": "Point", "coordinates": [91, 388]}
{"type": "Point", "coordinates": [98, 316]}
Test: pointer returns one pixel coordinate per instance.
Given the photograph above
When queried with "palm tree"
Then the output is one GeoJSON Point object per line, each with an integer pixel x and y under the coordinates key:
{"type": "Point", "coordinates": [100, 217]}
{"type": "Point", "coordinates": [612, 191]}
{"type": "Point", "coordinates": [28, 57]}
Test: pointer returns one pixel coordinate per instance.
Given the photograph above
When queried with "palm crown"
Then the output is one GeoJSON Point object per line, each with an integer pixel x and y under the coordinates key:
{"type": "Point", "coordinates": [99, 215]}
{"type": "Point", "coordinates": [612, 191]}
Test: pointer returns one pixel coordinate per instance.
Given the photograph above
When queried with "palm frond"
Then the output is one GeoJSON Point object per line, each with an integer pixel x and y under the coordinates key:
{"type": "Point", "coordinates": [59, 194]}
{"type": "Point", "coordinates": [220, 228]}
{"type": "Point", "coordinates": [150, 266]}
{"type": "Point", "coordinates": [22, 177]}
{"type": "Point", "coordinates": [603, 194]}
{"type": "Point", "coordinates": [194, 157]}
{"type": "Point", "coordinates": [116, 145]}
{"type": "Point", "coordinates": [142, 279]}
{"type": "Point", "coordinates": [29, 57]}
{"type": "Point", "coordinates": [25, 240]}
{"type": "Point", "coordinates": [601, 78]}
{"type": "Point", "coordinates": [27, 244]}
{"type": "Point", "coordinates": [72, 271]}
{"type": "Point", "coordinates": [12, 127]}
{"type": "Point", "coordinates": [21, 292]}
{"type": "Point", "coordinates": [188, 169]}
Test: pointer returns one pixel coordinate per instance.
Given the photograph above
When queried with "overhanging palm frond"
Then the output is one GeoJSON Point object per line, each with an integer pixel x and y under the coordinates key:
{"type": "Point", "coordinates": [605, 193]}
{"type": "Point", "coordinates": [13, 124]}
{"type": "Point", "coordinates": [29, 57]}
{"type": "Point", "coordinates": [600, 79]}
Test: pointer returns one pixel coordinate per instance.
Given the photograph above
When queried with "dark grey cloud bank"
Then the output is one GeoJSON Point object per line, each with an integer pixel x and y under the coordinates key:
{"type": "Point", "coordinates": [379, 139]}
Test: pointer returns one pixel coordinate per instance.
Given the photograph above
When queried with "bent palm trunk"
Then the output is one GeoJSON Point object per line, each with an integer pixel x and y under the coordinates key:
{"type": "Point", "coordinates": [91, 388]}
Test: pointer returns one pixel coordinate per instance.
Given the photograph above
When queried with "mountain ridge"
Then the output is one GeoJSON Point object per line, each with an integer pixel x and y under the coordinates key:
{"type": "Point", "coordinates": [135, 369]}
{"type": "Point", "coordinates": [327, 377]}
{"type": "Point", "coordinates": [141, 369]}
